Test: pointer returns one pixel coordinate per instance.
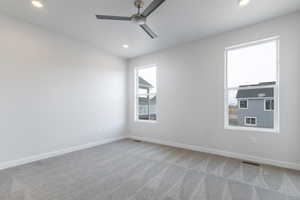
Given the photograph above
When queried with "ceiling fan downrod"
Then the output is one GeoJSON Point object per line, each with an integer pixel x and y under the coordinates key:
{"type": "Point", "coordinates": [139, 4]}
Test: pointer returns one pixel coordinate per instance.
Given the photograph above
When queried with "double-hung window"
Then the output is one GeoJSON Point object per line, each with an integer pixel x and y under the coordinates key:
{"type": "Point", "coordinates": [145, 90]}
{"type": "Point", "coordinates": [243, 104]}
{"type": "Point", "coordinates": [252, 85]}
{"type": "Point", "coordinates": [269, 104]}
{"type": "Point", "coordinates": [250, 121]}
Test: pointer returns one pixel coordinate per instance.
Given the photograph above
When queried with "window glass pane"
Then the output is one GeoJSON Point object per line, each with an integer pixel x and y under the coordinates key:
{"type": "Point", "coordinates": [243, 104]}
{"type": "Point", "coordinates": [147, 107]}
{"type": "Point", "coordinates": [147, 80]}
{"type": "Point", "coordinates": [153, 107]}
{"type": "Point", "coordinates": [248, 120]}
{"type": "Point", "coordinates": [255, 107]}
{"type": "Point", "coordinates": [252, 64]}
{"type": "Point", "coordinates": [268, 105]}
{"type": "Point", "coordinates": [232, 108]}
{"type": "Point", "coordinates": [143, 107]}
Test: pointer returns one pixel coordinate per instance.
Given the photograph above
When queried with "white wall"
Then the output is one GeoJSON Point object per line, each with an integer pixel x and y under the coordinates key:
{"type": "Point", "coordinates": [55, 92]}
{"type": "Point", "coordinates": [191, 96]}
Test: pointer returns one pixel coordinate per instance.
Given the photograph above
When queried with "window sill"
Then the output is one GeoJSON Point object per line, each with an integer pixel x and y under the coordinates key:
{"type": "Point", "coordinates": [146, 121]}
{"type": "Point", "coordinates": [253, 129]}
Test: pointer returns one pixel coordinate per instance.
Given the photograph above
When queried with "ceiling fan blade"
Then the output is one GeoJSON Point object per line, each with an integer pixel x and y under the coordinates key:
{"type": "Point", "coordinates": [152, 7]}
{"type": "Point", "coordinates": [108, 17]}
{"type": "Point", "coordinates": [148, 30]}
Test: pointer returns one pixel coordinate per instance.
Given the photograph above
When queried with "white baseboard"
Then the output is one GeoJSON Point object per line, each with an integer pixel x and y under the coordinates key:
{"type": "Point", "coordinates": [43, 156]}
{"type": "Point", "coordinates": [256, 159]}
{"type": "Point", "coordinates": [261, 160]}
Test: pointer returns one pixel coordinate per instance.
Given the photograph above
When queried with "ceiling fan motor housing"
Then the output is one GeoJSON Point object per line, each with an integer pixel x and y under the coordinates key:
{"type": "Point", "coordinates": [138, 19]}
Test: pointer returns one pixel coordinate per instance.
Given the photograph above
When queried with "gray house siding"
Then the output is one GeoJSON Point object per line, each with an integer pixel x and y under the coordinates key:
{"type": "Point", "coordinates": [256, 109]}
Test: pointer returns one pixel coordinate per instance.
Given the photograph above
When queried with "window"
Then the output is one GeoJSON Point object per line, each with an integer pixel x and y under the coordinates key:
{"type": "Point", "coordinates": [250, 121]}
{"type": "Point", "coordinates": [146, 97]}
{"type": "Point", "coordinates": [243, 104]}
{"type": "Point", "coordinates": [269, 104]}
{"type": "Point", "coordinates": [251, 86]}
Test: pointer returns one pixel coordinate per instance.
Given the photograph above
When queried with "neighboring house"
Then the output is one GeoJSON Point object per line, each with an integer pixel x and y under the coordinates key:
{"type": "Point", "coordinates": [146, 103]}
{"type": "Point", "coordinates": [256, 105]}
{"type": "Point", "coordinates": [144, 85]}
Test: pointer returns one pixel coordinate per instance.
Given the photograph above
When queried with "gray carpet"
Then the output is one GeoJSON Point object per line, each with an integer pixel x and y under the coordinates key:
{"type": "Point", "coordinates": [127, 170]}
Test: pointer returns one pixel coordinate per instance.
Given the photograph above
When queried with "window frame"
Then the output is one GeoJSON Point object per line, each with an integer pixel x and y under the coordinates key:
{"type": "Point", "coordinates": [276, 115]}
{"type": "Point", "coordinates": [250, 125]}
{"type": "Point", "coordinates": [136, 95]}
{"type": "Point", "coordinates": [240, 104]}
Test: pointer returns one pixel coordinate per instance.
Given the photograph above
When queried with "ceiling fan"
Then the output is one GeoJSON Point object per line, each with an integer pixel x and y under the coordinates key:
{"type": "Point", "coordinates": [138, 18]}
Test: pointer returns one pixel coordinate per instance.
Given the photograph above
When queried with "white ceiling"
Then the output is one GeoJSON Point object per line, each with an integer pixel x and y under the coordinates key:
{"type": "Point", "coordinates": [176, 21]}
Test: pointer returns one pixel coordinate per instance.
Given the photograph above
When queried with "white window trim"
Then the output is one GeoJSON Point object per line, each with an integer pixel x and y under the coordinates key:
{"type": "Point", "coordinates": [136, 95]}
{"type": "Point", "coordinates": [245, 121]}
{"type": "Point", "coordinates": [276, 128]}
{"type": "Point", "coordinates": [240, 104]}
{"type": "Point", "coordinates": [268, 110]}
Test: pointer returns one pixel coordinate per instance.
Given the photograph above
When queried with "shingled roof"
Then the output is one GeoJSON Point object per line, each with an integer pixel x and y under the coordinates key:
{"type": "Point", "coordinates": [144, 84]}
{"type": "Point", "coordinates": [264, 92]}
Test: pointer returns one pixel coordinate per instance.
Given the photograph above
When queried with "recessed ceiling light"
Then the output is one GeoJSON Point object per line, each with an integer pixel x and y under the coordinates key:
{"type": "Point", "coordinates": [125, 46]}
{"type": "Point", "coordinates": [243, 3]}
{"type": "Point", "coordinates": [37, 4]}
